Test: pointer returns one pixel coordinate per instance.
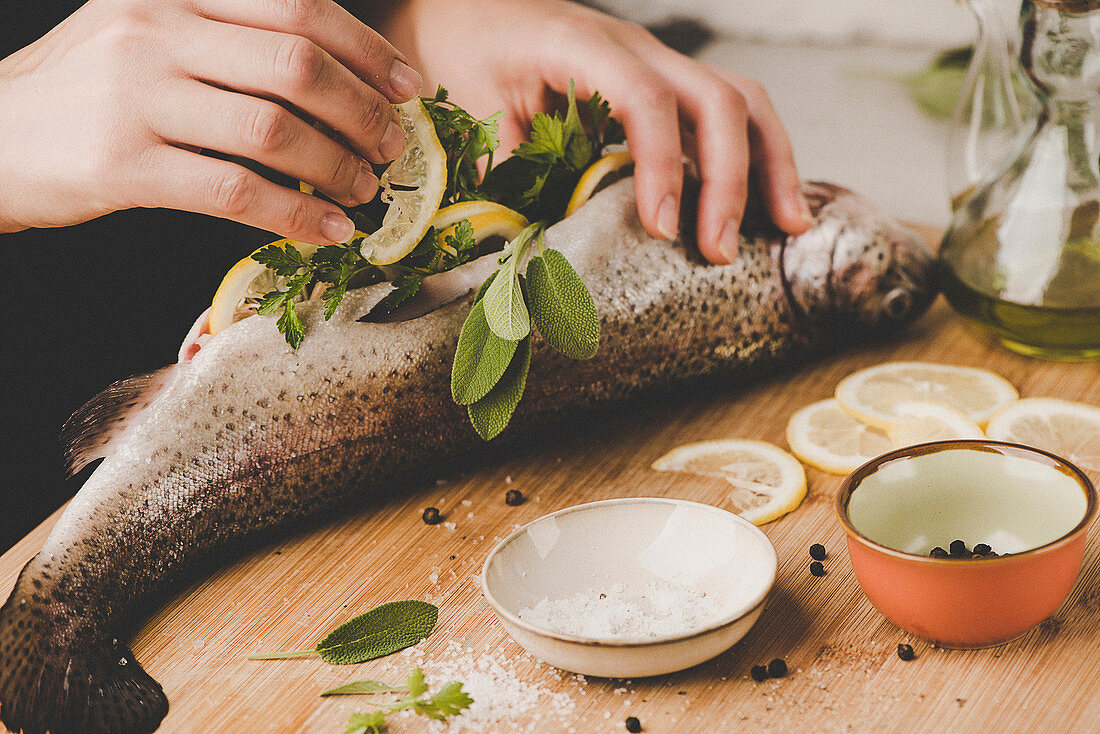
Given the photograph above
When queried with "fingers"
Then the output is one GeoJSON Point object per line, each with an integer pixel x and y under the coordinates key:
{"type": "Point", "coordinates": [180, 179]}
{"type": "Point", "coordinates": [730, 126]}
{"type": "Point", "coordinates": [295, 69]}
{"type": "Point", "coordinates": [353, 44]}
{"type": "Point", "coordinates": [645, 103]}
{"type": "Point", "coordinates": [772, 157]}
{"type": "Point", "coordinates": [195, 114]}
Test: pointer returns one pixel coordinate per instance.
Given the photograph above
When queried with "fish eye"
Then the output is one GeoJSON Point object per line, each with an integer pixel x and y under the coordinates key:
{"type": "Point", "coordinates": [897, 304]}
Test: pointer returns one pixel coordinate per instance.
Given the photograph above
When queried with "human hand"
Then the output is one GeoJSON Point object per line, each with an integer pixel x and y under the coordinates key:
{"type": "Point", "coordinates": [111, 109]}
{"type": "Point", "coordinates": [519, 55]}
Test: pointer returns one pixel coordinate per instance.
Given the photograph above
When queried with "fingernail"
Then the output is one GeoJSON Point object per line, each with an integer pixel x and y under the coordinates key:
{"type": "Point", "coordinates": [404, 79]}
{"type": "Point", "coordinates": [393, 142]}
{"type": "Point", "coordinates": [668, 218]}
{"type": "Point", "coordinates": [365, 185]}
{"type": "Point", "coordinates": [729, 240]}
{"type": "Point", "coordinates": [337, 227]}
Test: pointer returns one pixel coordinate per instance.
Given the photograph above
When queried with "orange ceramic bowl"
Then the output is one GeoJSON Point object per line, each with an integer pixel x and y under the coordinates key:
{"type": "Point", "coordinates": [1031, 507]}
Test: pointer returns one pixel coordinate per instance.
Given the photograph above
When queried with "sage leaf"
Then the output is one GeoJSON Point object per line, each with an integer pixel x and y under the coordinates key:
{"type": "Point", "coordinates": [480, 359]}
{"type": "Point", "coordinates": [485, 286]}
{"type": "Point", "coordinates": [362, 687]}
{"type": "Point", "coordinates": [373, 634]}
{"type": "Point", "coordinates": [381, 631]}
{"type": "Point", "coordinates": [505, 311]}
{"type": "Point", "coordinates": [561, 306]}
{"type": "Point", "coordinates": [491, 414]}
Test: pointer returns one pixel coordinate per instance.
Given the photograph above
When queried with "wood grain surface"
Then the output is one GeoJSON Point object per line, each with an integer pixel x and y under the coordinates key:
{"type": "Point", "coordinates": [845, 674]}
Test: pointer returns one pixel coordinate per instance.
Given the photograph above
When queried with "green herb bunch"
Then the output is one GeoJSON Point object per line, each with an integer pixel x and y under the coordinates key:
{"type": "Point", "coordinates": [494, 351]}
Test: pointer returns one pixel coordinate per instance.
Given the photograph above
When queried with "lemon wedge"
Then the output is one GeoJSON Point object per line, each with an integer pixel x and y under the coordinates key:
{"type": "Point", "coordinates": [872, 395]}
{"type": "Point", "coordinates": [1071, 430]}
{"type": "Point", "coordinates": [487, 218]}
{"type": "Point", "coordinates": [593, 175]}
{"type": "Point", "coordinates": [923, 422]}
{"type": "Point", "coordinates": [245, 284]}
{"type": "Point", "coordinates": [413, 185]}
{"type": "Point", "coordinates": [825, 436]}
{"type": "Point", "coordinates": [767, 481]}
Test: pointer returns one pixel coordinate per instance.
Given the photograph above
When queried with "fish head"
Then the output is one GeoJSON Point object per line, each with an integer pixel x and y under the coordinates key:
{"type": "Point", "coordinates": [856, 269]}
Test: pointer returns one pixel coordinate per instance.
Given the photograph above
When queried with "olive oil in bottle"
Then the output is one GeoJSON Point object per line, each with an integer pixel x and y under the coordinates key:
{"type": "Point", "coordinates": [1022, 255]}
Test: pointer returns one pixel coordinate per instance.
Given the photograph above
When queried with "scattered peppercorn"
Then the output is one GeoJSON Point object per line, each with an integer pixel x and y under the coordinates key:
{"type": "Point", "coordinates": [817, 569]}
{"type": "Point", "coordinates": [958, 548]}
{"type": "Point", "coordinates": [633, 725]}
{"type": "Point", "coordinates": [759, 673]}
{"type": "Point", "coordinates": [938, 552]}
{"type": "Point", "coordinates": [817, 552]}
{"type": "Point", "coordinates": [513, 497]}
{"type": "Point", "coordinates": [452, 556]}
{"type": "Point", "coordinates": [777, 668]}
{"type": "Point", "coordinates": [905, 652]}
{"type": "Point", "coordinates": [982, 549]}
{"type": "Point", "coordinates": [431, 516]}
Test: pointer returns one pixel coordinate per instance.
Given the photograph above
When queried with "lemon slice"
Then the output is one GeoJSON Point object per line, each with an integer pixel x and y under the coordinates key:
{"type": "Point", "coordinates": [413, 186]}
{"type": "Point", "coordinates": [593, 175]}
{"type": "Point", "coordinates": [923, 422]}
{"type": "Point", "coordinates": [871, 395]}
{"type": "Point", "coordinates": [767, 481]}
{"type": "Point", "coordinates": [245, 284]}
{"type": "Point", "coordinates": [1071, 430]}
{"type": "Point", "coordinates": [824, 436]}
{"type": "Point", "coordinates": [487, 218]}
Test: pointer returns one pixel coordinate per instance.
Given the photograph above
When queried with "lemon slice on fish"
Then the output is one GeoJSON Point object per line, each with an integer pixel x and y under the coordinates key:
{"type": "Point", "coordinates": [594, 175]}
{"type": "Point", "coordinates": [923, 422]}
{"type": "Point", "coordinates": [1069, 429]}
{"type": "Point", "coordinates": [245, 284]}
{"type": "Point", "coordinates": [767, 481]}
{"type": "Point", "coordinates": [487, 218]}
{"type": "Point", "coordinates": [825, 436]}
{"type": "Point", "coordinates": [872, 395]}
{"type": "Point", "coordinates": [413, 185]}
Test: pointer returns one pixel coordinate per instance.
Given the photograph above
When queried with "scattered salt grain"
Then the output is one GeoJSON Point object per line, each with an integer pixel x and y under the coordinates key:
{"type": "Point", "coordinates": [449, 525]}
{"type": "Point", "coordinates": [501, 696]}
{"type": "Point", "coordinates": [661, 609]}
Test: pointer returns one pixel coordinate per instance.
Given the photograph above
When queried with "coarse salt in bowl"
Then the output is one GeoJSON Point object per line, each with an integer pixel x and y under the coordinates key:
{"type": "Point", "coordinates": [633, 587]}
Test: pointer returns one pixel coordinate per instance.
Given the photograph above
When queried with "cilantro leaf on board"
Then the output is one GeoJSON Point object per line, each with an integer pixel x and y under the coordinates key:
{"type": "Point", "coordinates": [450, 700]}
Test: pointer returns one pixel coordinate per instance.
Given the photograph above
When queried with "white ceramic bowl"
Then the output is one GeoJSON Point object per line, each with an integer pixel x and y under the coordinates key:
{"type": "Point", "coordinates": [635, 542]}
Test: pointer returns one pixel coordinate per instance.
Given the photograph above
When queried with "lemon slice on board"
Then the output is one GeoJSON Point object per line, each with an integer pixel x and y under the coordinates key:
{"type": "Point", "coordinates": [1068, 429]}
{"type": "Point", "coordinates": [825, 436]}
{"type": "Point", "coordinates": [487, 218]}
{"type": "Point", "coordinates": [872, 395]}
{"type": "Point", "coordinates": [923, 422]}
{"type": "Point", "coordinates": [413, 186]}
{"type": "Point", "coordinates": [245, 284]}
{"type": "Point", "coordinates": [767, 481]}
{"type": "Point", "coordinates": [593, 175]}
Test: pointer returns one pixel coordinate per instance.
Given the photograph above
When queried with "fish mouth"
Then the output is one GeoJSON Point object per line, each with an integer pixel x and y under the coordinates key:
{"type": "Point", "coordinates": [855, 269]}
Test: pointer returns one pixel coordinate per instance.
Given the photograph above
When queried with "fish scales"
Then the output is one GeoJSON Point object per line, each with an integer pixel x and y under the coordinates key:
{"type": "Point", "coordinates": [251, 434]}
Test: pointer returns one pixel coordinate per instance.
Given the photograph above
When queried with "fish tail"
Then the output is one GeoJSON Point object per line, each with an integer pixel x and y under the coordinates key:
{"type": "Point", "coordinates": [55, 678]}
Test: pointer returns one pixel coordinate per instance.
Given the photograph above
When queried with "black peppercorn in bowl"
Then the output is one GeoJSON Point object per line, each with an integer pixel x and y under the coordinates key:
{"type": "Point", "coordinates": [904, 509]}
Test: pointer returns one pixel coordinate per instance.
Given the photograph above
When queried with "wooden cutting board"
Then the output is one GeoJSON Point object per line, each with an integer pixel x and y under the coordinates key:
{"type": "Point", "coordinates": [845, 674]}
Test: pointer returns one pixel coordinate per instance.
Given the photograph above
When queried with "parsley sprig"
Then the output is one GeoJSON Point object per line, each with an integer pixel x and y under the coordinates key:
{"type": "Point", "coordinates": [450, 700]}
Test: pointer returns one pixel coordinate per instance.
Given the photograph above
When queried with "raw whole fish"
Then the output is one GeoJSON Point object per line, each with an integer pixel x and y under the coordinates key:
{"type": "Point", "coordinates": [246, 434]}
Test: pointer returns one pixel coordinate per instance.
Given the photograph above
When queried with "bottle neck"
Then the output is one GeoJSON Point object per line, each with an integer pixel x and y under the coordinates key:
{"type": "Point", "coordinates": [1060, 50]}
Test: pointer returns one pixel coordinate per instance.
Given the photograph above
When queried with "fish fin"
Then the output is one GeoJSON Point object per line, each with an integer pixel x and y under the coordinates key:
{"type": "Point", "coordinates": [52, 681]}
{"type": "Point", "coordinates": [88, 433]}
